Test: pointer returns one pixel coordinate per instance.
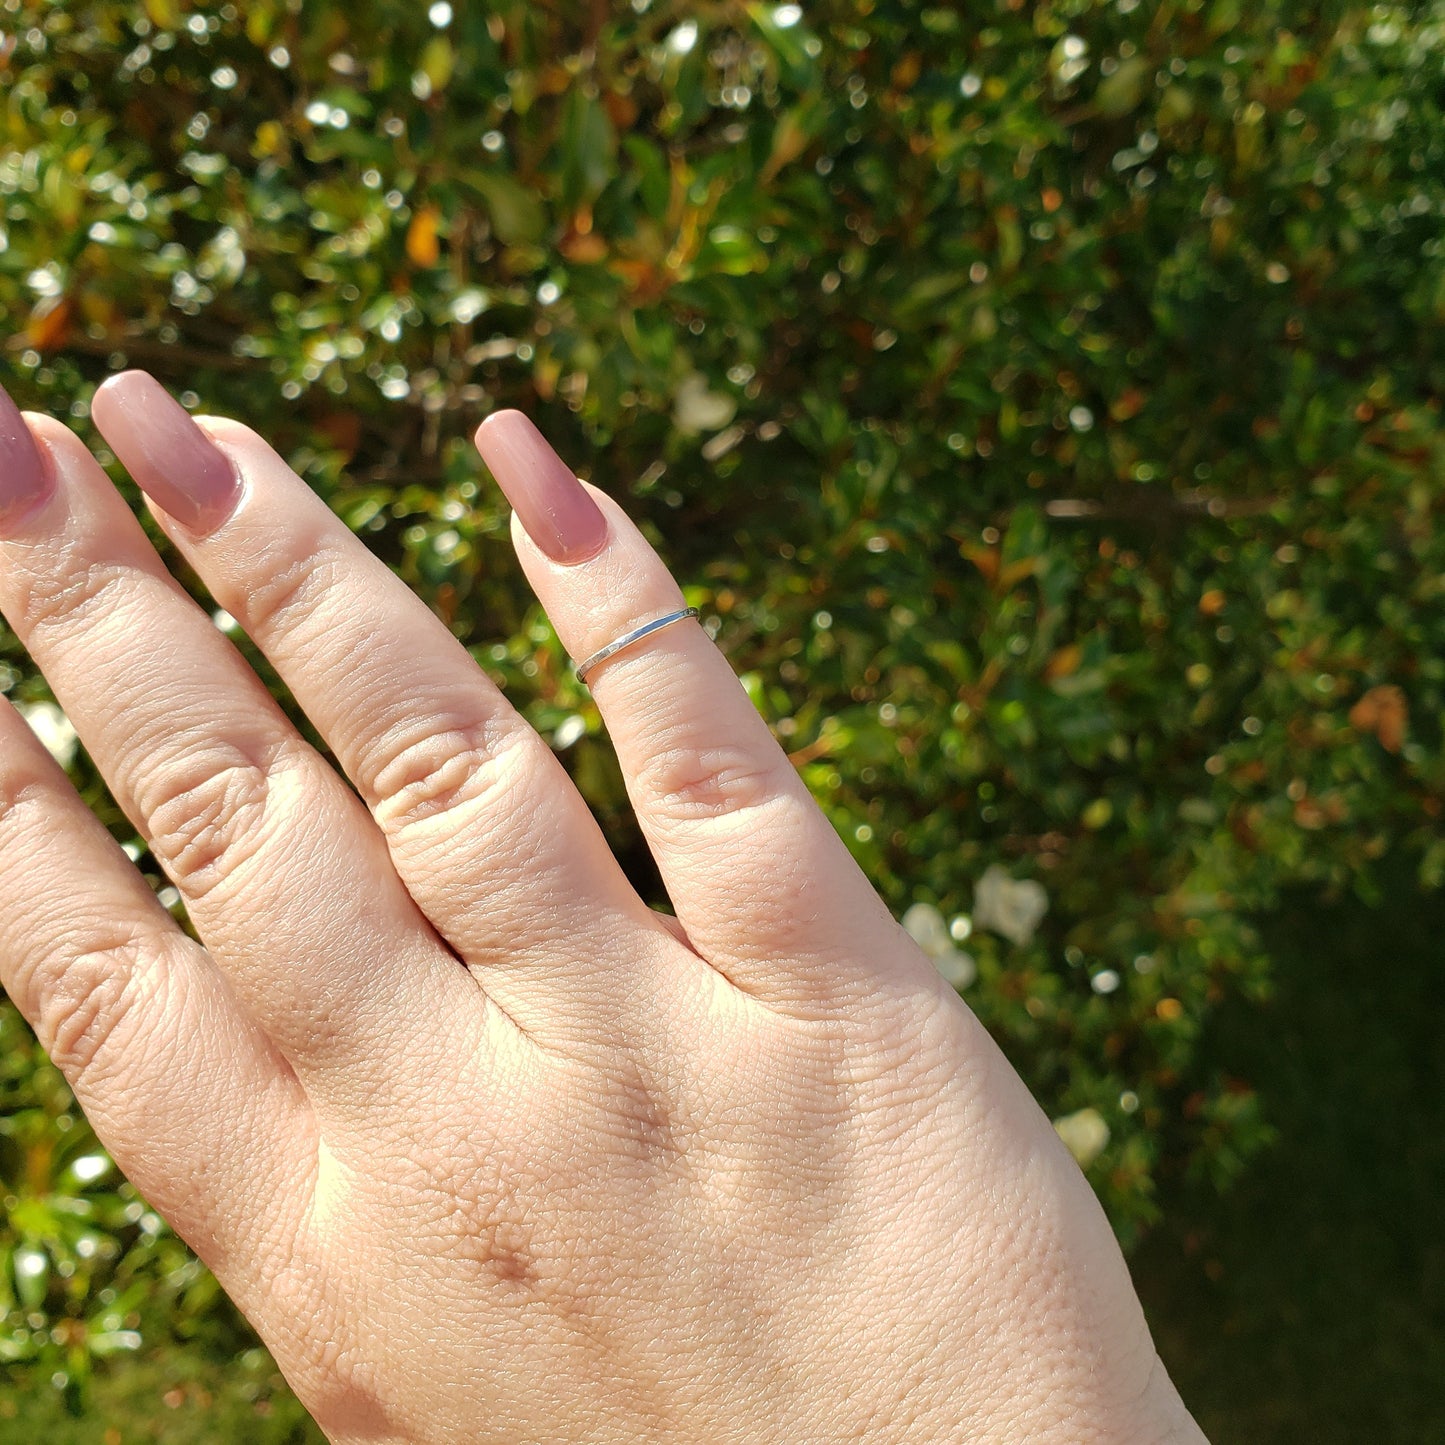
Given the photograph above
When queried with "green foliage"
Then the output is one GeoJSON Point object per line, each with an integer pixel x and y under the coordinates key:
{"type": "Point", "coordinates": [88, 1273]}
{"type": "Point", "coordinates": [1043, 399]}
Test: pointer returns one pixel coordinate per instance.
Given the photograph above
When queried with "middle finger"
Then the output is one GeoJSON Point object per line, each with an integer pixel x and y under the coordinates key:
{"type": "Point", "coordinates": [482, 822]}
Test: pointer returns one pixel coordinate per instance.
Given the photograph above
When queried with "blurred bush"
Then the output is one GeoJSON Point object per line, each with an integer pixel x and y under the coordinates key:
{"type": "Point", "coordinates": [1042, 399]}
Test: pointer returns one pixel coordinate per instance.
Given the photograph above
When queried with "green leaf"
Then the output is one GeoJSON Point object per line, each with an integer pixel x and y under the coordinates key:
{"type": "Point", "coordinates": [514, 209]}
{"type": "Point", "coordinates": [588, 147]}
{"type": "Point", "coordinates": [438, 62]}
{"type": "Point", "coordinates": [1124, 90]}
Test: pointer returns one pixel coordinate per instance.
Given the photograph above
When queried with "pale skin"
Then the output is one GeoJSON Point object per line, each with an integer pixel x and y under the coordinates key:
{"type": "Point", "coordinates": [487, 1149]}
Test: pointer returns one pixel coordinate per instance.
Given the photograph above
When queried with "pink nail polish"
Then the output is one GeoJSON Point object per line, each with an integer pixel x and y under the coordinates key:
{"type": "Point", "coordinates": [25, 479]}
{"type": "Point", "coordinates": [172, 460]}
{"type": "Point", "coordinates": [553, 505]}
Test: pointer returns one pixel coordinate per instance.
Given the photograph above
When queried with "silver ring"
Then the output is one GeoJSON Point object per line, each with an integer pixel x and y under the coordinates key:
{"type": "Point", "coordinates": [628, 638]}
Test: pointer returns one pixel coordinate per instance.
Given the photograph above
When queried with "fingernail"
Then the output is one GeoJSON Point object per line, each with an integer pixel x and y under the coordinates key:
{"type": "Point", "coordinates": [172, 460]}
{"type": "Point", "coordinates": [25, 479]}
{"type": "Point", "coordinates": [553, 505]}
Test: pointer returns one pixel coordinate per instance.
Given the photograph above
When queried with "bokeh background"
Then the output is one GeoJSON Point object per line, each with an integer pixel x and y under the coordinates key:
{"type": "Point", "coordinates": [1044, 401]}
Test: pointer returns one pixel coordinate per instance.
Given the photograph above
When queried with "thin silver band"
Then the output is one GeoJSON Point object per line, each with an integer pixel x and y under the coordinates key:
{"type": "Point", "coordinates": [627, 639]}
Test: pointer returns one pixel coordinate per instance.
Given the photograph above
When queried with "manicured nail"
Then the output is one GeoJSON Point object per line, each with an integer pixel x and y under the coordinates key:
{"type": "Point", "coordinates": [172, 460]}
{"type": "Point", "coordinates": [25, 479]}
{"type": "Point", "coordinates": [553, 505]}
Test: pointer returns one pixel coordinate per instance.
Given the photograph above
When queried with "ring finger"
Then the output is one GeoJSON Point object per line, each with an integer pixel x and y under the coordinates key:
{"type": "Point", "coordinates": [761, 882]}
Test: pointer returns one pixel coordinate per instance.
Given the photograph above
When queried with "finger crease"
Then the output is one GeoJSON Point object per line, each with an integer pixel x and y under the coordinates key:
{"type": "Point", "coordinates": [445, 771]}
{"type": "Point", "coordinates": [65, 600]}
{"type": "Point", "coordinates": [202, 816]}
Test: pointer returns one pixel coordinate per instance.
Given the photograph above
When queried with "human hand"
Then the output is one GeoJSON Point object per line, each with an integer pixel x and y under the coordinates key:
{"type": "Point", "coordinates": [485, 1148]}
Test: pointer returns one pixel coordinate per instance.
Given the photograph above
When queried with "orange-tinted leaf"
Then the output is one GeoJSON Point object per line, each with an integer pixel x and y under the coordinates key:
{"type": "Point", "coordinates": [1384, 712]}
{"type": "Point", "coordinates": [546, 373]}
{"type": "Point", "coordinates": [1128, 404]}
{"type": "Point", "coordinates": [49, 324]}
{"type": "Point", "coordinates": [986, 559]}
{"type": "Point", "coordinates": [423, 244]}
{"type": "Point", "coordinates": [554, 80]}
{"type": "Point", "coordinates": [907, 70]}
{"type": "Point", "coordinates": [1015, 572]}
{"type": "Point", "coordinates": [584, 249]}
{"type": "Point", "coordinates": [621, 110]}
{"type": "Point", "coordinates": [1064, 663]}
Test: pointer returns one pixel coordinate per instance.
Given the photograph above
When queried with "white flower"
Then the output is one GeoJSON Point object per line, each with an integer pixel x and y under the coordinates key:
{"type": "Point", "coordinates": [956, 966]}
{"type": "Point", "coordinates": [1010, 907]}
{"type": "Point", "coordinates": [571, 729]}
{"type": "Point", "coordinates": [696, 409]}
{"type": "Point", "coordinates": [925, 925]}
{"type": "Point", "coordinates": [53, 729]}
{"type": "Point", "coordinates": [1084, 1133]}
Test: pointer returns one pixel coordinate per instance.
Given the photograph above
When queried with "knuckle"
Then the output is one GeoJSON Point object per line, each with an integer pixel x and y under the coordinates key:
{"type": "Point", "coordinates": [84, 1004]}
{"type": "Point", "coordinates": [293, 589]}
{"type": "Point", "coordinates": [686, 783]}
{"type": "Point", "coordinates": [204, 815]}
{"type": "Point", "coordinates": [65, 595]}
{"type": "Point", "coordinates": [445, 772]}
